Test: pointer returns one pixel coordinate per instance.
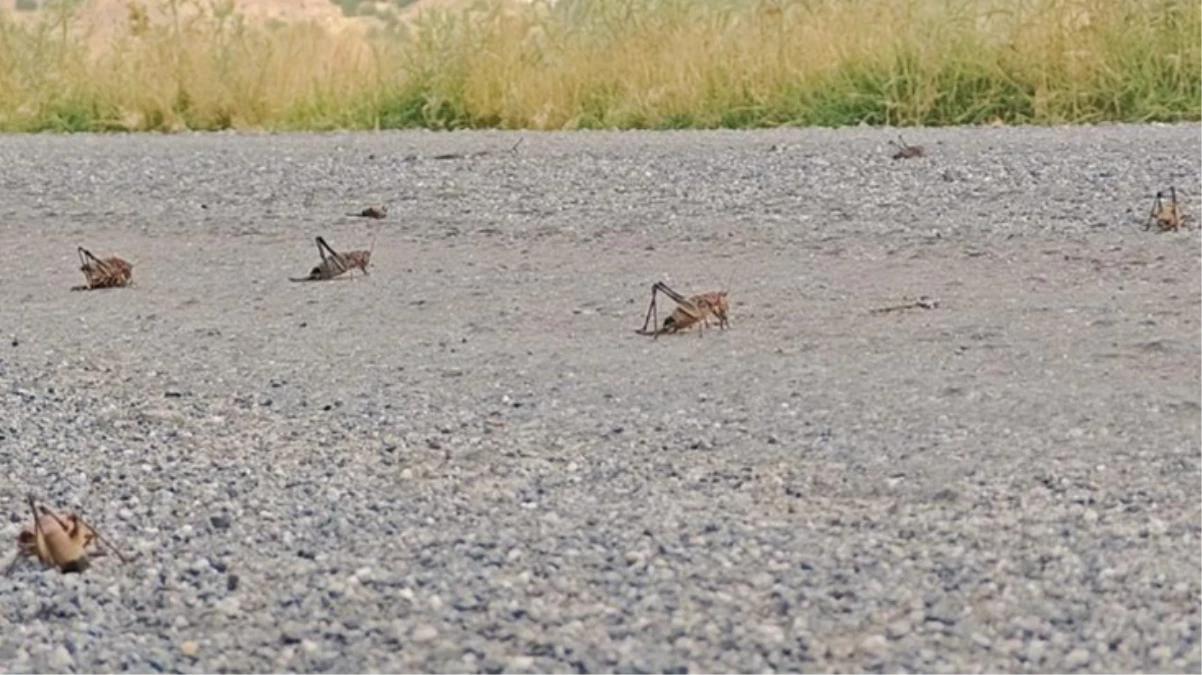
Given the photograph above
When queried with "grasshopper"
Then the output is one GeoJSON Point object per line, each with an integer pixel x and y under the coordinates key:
{"type": "Point", "coordinates": [695, 310]}
{"type": "Point", "coordinates": [112, 272]}
{"type": "Point", "coordinates": [334, 264]}
{"type": "Point", "coordinates": [63, 542]}
{"type": "Point", "coordinates": [1166, 214]}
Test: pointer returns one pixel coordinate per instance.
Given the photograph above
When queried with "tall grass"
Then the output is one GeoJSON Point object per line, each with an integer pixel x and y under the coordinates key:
{"type": "Point", "coordinates": [614, 64]}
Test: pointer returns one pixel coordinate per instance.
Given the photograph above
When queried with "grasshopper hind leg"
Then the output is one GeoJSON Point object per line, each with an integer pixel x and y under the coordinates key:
{"type": "Point", "coordinates": [652, 316]}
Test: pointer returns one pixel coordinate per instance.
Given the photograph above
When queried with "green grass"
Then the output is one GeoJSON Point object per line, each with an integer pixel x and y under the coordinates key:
{"type": "Point", "coordinates": [660, 64]}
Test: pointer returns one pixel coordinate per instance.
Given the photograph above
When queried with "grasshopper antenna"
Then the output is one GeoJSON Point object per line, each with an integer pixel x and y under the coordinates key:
{"type": "Point", "coordinates": [37, 522]}
{"type": "Point", "coordinates": [1155, 211]}
{"type": "Point", "coordinates": [33, 508]}
{"type": "Point", "coordinates": [730, 279]}
{"type": "Point", "coordinates": [109, 545]}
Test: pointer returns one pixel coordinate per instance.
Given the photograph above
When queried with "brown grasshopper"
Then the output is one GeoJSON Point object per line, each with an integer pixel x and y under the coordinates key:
{"type": "Point", "coordinates": [1166, 215]}
{"type": "Point", "coordinates": [62, 542]}
{"type": "Point", "coordinates": [692, 311]}
{"type": "Point", "coordinates": [334, 264]}
{"type": "Point", "coordinates": [112, 272]}
{"type": "Point", "coordinates": [906, 151]}
{"type": "Point", "coordinates": [376, 212]}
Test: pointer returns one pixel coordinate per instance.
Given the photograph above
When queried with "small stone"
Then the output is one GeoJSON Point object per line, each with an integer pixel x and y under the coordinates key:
{"type": "Point", "coordinates": [189, 648]}
{"type": "Point", "coordinates": [982, 641]}
{"type": "Point", "coordinates": [1036, 650]}
{"type": "Point", "coordinates": [898, 629]}
{"type": "Point", "coordinates": [684, 645]}
{"type": "Point", "coordinates": [1090, 516]}
{"type": "Point", "coordinates": [771, 633]}
{"type": "Point", "coordinates": [230, 606]}
{"type": "Point", "coordinates": [762, 580]}
{"type": "Point", "coordinates": [1161, 654]}
{"type": "Point", "coordinates": [519, 663]}
{"type": "Point", "coordinates": [466, 603]}
{"type": "Point", "coordinates": [874, 644]}
{"type": "Point", "coordinates": [424, 633]}
{"type": "Point", "coordinates": [1077, 658]}
{"type": "Point", "coordinates": [1010, 647]}
{"type": "Point", "coordinates": [840, 649]}
{"type": "Point", "coordinates": [944, 611]}
{"type": "Point", "coordinates": [60, 660]}
{"type": "Point", "coordinates": [220, 521]}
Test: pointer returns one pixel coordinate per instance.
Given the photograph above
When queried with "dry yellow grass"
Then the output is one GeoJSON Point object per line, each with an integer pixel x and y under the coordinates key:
{"type": "Point", "coordinates": [619, 63]}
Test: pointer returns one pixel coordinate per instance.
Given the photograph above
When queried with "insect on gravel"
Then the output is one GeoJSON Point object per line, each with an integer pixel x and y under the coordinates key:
{"type": "Point", "coordinates": [334, 264]}
{"type": "Point", "coordinates": [111, 272]}
{"type": "Point", "coordinates": [694, 310]}
{"type": "Point", "coordinates": [64, 542]}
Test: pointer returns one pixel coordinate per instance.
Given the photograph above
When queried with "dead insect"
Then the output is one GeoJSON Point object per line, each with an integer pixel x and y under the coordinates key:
{"type": "Point", "coordinates": [906, 151]}
{"type": "Point", "coordinates": [692, 311]}
{"type": "Point", "coordinates": [112, 272]}
{"type": "Point", "coordinates": [1166, 215]}
{"type": "Point", "coordinates": [376, 212]}
{"type": "Point", "coordinates": [63, 542]}
{"type": "Point", "coordinates": [334, 264]}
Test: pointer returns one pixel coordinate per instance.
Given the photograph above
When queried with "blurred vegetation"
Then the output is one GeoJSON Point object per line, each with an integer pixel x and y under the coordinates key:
{"type": "Point", "coordinates": [609, 64]}
{"type": "Point", "coordinates": [360, 7]}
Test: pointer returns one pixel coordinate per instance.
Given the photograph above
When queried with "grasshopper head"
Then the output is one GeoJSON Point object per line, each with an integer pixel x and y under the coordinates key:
{"type": "Point", "coordinates": [27, 542]}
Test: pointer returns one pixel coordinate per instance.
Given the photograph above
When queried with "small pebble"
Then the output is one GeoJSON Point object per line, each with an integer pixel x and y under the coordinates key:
{"type": "Point", "coordinates": [60, 659]}
{"type": "Point", "coordinates": [424, 633]}
{"type": "Point", "coordinates": [874, 644]}
{"type": "Point", "coordinates": [1077, 658]}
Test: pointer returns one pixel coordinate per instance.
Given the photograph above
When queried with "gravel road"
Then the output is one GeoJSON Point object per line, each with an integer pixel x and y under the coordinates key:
{"type": "Point", "coordinates": [469, 460]}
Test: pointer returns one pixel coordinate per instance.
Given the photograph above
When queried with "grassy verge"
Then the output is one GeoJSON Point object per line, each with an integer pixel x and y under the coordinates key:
{"type": "Point", "coordinates": [612, 64]}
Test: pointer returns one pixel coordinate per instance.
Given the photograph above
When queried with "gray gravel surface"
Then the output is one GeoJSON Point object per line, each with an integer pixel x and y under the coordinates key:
{"type": "Point", "coordinates": [469, 461]}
